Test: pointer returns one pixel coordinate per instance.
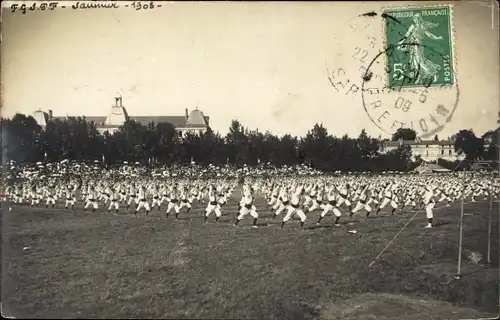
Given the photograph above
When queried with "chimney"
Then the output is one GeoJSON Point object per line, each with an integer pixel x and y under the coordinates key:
{"type": "Point", "coordinates": [50, 114]}
{"type": "Point", "coordinates": [187, 115]}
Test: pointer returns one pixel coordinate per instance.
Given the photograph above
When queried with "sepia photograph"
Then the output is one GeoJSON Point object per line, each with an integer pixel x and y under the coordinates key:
{"type": "Point", "coordinates": [250, 160]}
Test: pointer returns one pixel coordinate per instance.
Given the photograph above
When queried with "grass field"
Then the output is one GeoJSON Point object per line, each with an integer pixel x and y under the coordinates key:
{"type": "Point", "coordinates": [97, 265]}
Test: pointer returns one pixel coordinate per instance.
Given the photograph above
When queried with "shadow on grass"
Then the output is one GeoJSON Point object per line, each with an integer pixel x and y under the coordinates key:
{"type": "Point", "coordinates": [322, 226]}
{"type": "Point", "coordinates": [441, 223]}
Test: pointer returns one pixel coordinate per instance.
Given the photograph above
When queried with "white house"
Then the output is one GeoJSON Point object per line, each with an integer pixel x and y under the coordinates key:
{"type": "Point", "coordinates": [428, 150]}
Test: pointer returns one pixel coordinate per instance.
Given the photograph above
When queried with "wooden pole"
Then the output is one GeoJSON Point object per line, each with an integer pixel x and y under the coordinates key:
{"type": "Point", "coordinates": [490, 211]}
{"type": "Point", "coordinates": [461, 236]}
{"type": "Point", "coordinates": [459, 263]}
{"type": "Point", "coordinates": [490, 214]}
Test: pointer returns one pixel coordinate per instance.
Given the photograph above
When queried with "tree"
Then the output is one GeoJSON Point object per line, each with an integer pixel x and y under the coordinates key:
{"type": "Point", "coordinates": [76, 139]}
{"type": "Point", "coordinates": [287, 150]}
{"type": "Point", "coordinates": [491, 141]}
{"type": "Point", "coordinates": [468, 144]}
{"type": "Point", "coordinates": [257, 147]}
{"type": "Point", "coordinates": [236, 140]}
{"type": "Point", "coordinates": [20, 139]}
{"type": "Point", "coordinates": [369, 147]}
{"type": "Point", "coordinates": [167, 142]}
{"type": "Point", "coordinates": [316, 147]}
{"type": "Point", "coordinates": [436, 138]}
{"type": "Point", "coordinates": [272, 144]}
{"type": "Point", "coordinates": [399, 159]}
{"type": "Point", "coordinates": [405, 134]}
{"type": "Point", "coordinates": [418, 160]}
{"type": "Point", "coordinates": [212, 148]}
{"type": "Point", "coordinates": [132, 141]}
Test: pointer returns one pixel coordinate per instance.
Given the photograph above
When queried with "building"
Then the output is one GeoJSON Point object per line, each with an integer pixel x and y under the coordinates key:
{"type": "Point", "coordinates": [429, 150]}
{"type": "Point", "coordinates": [194, 121]}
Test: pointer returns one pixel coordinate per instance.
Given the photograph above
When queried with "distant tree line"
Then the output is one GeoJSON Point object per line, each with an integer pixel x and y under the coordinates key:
{"type": "Point", "coordinates": [23, 140]}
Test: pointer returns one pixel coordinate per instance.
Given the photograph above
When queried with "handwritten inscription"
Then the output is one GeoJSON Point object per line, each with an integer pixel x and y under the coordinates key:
{"type": "Point", "coordinates": [138, 5]}
{"type": "Point", "coordinates": [83, 5]}
{"type": "Point", "coordinates": [94, 5]}
{"type": "Point", "coordinates": [23, 8]}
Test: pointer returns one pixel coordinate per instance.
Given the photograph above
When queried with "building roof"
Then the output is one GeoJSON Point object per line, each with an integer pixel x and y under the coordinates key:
{"type": "Point", "coordinates": [41, 117]}
{"type": "Point", "coordinates": [117, 116]}
{"type": "Point", "coordinates": [176, 121]}
{"type": "Point", "coordinates": [196, 119]}
{"type": "Point", "coordinates": [419, 143]}
{"type": "Point", "coordinates": [97, 120]}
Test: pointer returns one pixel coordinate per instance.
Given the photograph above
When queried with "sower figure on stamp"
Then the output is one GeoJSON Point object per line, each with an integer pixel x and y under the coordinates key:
{"type": "Point", "coordinates": [411, 43]}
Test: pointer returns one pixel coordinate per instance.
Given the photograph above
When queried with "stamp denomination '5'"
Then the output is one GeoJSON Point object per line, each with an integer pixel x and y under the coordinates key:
{"type": "Point", "coordinates": [420, 42]}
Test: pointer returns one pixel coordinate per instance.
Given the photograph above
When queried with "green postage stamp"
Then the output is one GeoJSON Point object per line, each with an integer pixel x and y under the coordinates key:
{"type": "Point", "coordinates": [419, 47]}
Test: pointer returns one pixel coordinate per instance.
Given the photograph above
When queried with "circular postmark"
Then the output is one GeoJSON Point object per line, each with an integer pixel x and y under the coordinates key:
{"type": "Point", "coordinates": [352, 50]}
{"type": "Point", "coordinates": [425, 109]}
{"type": "Point", "coordinates": [408, 84]}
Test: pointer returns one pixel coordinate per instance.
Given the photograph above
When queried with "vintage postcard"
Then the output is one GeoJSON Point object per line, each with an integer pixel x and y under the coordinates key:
{"type": "Point", "coordinates": [250, 160]}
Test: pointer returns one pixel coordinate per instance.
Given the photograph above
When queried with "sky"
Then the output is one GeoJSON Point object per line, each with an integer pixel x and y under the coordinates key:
{"type": "Point", "coordinates": [264, 64]}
